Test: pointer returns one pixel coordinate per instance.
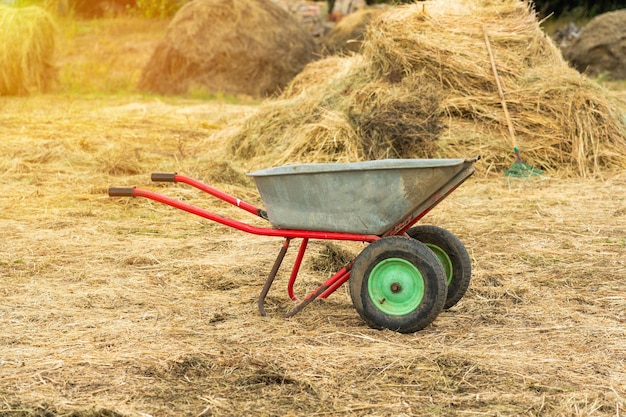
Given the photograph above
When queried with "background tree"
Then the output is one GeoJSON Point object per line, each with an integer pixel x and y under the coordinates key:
{"type": "Point", "coordinates": [587, 8]}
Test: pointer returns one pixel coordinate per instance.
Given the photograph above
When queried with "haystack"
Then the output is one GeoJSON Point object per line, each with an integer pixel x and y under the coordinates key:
{"type": "Point", "coordinates": [250, 47]}
{"type": "Point", "coordinates": [27, 47]}
{"type": "Point", "coordinates": [432, 56]}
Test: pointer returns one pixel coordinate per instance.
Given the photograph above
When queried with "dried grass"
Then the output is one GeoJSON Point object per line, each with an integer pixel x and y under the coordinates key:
{"type": "Point", "coordinates": [583, 137]}
{"type": "Point", "coordinates": [565, 122]}
{"type": "Point", "coordinates": [118, 307]}
{"type": "Point", "coordinates": [27, 50]}
{"type": "Point", "coordinates": [124, 307]}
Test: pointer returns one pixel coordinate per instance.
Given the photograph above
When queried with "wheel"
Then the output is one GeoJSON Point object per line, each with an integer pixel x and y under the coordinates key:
{"type": "Point", "coordinates": [452, 255]}
{"type": "Point", "coordinates": [398, 283]}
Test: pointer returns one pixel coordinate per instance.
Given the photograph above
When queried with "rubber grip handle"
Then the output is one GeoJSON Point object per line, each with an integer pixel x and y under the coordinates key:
{"type": "Point", "coordinates": [158, 177]}
{"type": "Point", "coordinates": [121, 192]}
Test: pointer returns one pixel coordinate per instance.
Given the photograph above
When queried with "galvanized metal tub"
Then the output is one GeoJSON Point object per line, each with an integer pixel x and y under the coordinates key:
{"type": "Point", "coordinates": [361, 197]}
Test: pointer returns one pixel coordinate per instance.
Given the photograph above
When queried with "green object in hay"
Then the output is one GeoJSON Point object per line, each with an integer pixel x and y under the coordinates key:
{"type": "Point", "coordinates": [521, 169]}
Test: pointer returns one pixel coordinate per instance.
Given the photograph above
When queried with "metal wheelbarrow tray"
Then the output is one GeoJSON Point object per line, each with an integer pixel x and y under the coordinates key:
{"type": "Point", "coordinates": [406, 275]}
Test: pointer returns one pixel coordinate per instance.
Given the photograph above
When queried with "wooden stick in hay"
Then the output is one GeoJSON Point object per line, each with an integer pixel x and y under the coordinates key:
{"type": "Point", "coordinates": [519, 168]}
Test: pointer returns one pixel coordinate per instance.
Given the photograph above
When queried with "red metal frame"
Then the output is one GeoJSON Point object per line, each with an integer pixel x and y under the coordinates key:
{"type": "Point", "coordinates": [245, 227]}
{"type": "Point", "coordinates": [332, 283]}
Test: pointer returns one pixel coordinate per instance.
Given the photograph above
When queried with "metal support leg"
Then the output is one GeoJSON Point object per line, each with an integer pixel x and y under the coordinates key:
{"type": "Point", "coordinates": [272, 275]}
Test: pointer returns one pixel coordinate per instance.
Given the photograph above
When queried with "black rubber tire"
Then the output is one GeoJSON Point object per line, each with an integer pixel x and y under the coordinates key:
{"type": "Point", "coordinates": [425, 262]}
{"type": "Point", "coordinates": [459, 258]}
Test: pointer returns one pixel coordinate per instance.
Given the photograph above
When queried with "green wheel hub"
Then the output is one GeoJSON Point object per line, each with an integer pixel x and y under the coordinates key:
{"type": "Point", "coordinates": [396, 286]}
{"type": "Point", "coordinates": [444, 259]}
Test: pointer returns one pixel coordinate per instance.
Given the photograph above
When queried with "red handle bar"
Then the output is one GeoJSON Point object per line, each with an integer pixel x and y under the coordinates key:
{"type": "Point", "coordinates": [158, 177]}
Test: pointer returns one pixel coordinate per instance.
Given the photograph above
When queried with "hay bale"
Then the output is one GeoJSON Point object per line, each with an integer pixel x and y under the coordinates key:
{"type": "Point", "coordinates": [435, 51]}
{"type": "Point", "coordinates": [348, 34]}
{"type": "Point", "coordinates": [27, 50]}
{"type": "Point", "coordinates": [251, 47]}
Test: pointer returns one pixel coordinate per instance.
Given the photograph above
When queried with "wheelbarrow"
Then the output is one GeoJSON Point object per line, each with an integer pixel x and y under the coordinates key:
{"type": "Point", "coordinates": [404, 277]}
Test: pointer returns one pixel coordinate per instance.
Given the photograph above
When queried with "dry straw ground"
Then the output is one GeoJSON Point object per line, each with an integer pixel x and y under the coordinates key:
{"type": "Point", "coordinates": [114, 307]}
